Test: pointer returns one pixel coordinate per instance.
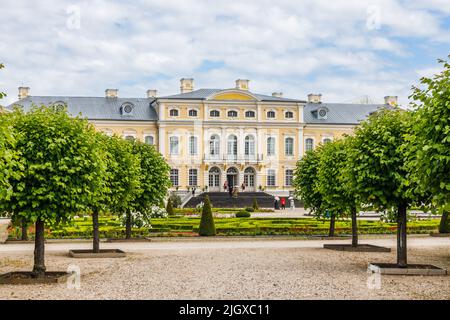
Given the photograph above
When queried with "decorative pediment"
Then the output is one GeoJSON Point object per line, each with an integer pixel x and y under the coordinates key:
{"type": "Point", "coordinates": [236, 95]}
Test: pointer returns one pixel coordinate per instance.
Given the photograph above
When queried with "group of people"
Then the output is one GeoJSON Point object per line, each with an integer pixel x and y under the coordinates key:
{"type": "Point", "coordinates": [280, 203]}
{"type": "Point", "coordinates": [233, 190]}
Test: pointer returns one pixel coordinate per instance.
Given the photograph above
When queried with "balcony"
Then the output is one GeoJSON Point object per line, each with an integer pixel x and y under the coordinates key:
{"type": "Point", "coordinates": [228, 158]}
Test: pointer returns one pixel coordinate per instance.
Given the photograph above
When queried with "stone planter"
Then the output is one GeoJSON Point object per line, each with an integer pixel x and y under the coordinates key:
{"type": "Point", "coordinates": [4, 223]}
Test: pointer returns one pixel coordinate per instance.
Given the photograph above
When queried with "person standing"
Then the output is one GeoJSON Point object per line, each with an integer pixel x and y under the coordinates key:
{"type": "Point", "coordinates": [283, 203]}
{"type": "Point", "coordinates": [277, 203]}
{"type": "Point", "coordinates": [225, 186]}
{"type": "Point", "coordinates": [243, 186]}
{"type": "Point", "coordinates": [292, 203]}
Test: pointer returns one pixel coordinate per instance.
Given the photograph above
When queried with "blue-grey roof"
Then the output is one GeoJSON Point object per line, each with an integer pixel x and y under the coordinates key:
{"type": "Point", "coordinates": [202, 94]}
{"type": "Point", "coordinates": [97, 108]}
{"type": "Point", "coordinates": [339, 113]}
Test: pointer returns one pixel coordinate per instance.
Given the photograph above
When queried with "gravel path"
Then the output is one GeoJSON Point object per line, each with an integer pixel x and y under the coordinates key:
{"type": "Point", "coordinates": [243, 269]}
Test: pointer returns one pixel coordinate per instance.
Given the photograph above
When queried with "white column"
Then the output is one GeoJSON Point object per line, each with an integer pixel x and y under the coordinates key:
{"type": "Point", "coordinates": [241, 143]}
{"type": "Point", "coordinates": [162, 140]}
{"type": "Point", "coordinates": [223, 143]}
{"type": "Point", "coordinates": [300, 143]}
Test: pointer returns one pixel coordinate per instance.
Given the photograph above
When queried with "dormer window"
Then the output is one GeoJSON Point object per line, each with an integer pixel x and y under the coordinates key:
{"type": "Point", "coordinates": [59, 106]}
{"type": "Point", "coordinates": [232, 114]}
{"type": "Point", "coordinates": [127, 109]}
{"type": "Point", "coordinates": [173, 112]}
{"type": "Point", "coordinates": [322, 113]}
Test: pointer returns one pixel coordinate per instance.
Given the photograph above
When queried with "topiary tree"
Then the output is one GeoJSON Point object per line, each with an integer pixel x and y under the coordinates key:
{"type": "Point", "coordinates": [58, 164]}
{"type": "Point", "coordinates": [428, 143]}
{"type": "Point", "coordinates": [377, 162]}
{"type": "Point", "coordinates": [169, 207]}
{"type": "Point", "coordinates": [207, 226]}
{"type": "Point", "coordinates": [255, 205]}
{"type": "Point", "coordinates": [306, 185]}
{"type": "Point", "coordinates": [333, 182]}
{"type": "Point", "coordinates": [154, 179]}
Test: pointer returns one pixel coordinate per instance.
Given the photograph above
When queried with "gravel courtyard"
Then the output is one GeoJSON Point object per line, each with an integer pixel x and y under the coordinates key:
{"type": "Point", "coordinates": [239, 269]}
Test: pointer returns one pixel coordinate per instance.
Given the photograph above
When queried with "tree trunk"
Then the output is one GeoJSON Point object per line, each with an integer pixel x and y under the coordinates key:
{"type": "Point", "coordinates": [39, 252]}
{"type": "Point", "coordinates": [401, 236]}
{"type": "Point", "coordinates": [96, 235]}
{"type": "Point", "coordinates": [128, 226]}
{"type": "Point", "coordinates": [24, 230]}
{"type": "Point", "coordinates": [444, 226]}
{"type": "Point", "coordinates": [354, 228]}
{"type": "Point", "coordinates": [332, 224]}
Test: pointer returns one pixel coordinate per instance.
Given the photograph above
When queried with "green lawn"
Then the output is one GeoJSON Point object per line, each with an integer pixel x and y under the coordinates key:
{"type": "Point", "coordinates": [184, 226]}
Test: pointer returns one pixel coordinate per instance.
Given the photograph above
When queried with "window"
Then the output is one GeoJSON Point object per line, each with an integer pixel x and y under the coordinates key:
{"type": "Point", "coordinates": [322, 113]}
{"type": "Point", "coordinates": [289, 115]}
{"type": "Point", "coordinates": [214, 145]}
{"type": "Point", "coordinates": [232, 145]}
{"type": "Point", "coordinates": [250, 114]}
{"type": "Point", "coordinates": [193, 177]}
{"type": "Point", "coordinates": [129, 137]}
{"type": "Point", "coordinates": [271, 114]}
{"type": "Point", "coordinates": [214, 177]}
{"type": "Point", "coordinates": [326, 140]}
{"type": "Point", "coordinates": [270, 146]}
{"type": "Point", "coordinates": [271, 178]}
{"type": "Point", "coordinates": [174, 145]}
{"type": "Point", "coordinates": [232, 114]}
{"type": "Point", "coordinates": [249, 177]}
{"type": "Point", "coordinates": [214, 113]}
{"type": "Point", "coordinates": [309, 144]}
{"type": "Point", "coordinates": [149, 140]}
{"type": "Point", "coordinates": [249, 146]}
{"type": "Point", "coordinates": [174, 177]}
{"type": "Point", "coordinates": [289, 146]}
{"type": "Point", "coordinates": [173, 112]}
{"type": "Point", "coordinates": [193, 113]}
{"type": "Point", "coordinates": [193, 145]}
{"type": "Point", "coordinates": [289, 177]}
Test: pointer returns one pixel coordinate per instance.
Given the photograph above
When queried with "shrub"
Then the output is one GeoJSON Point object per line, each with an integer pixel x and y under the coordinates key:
{"type": "Point", "coordinates": [175, 199]}
{"type": "Point", "coordinates": [169, 207]}
{"type": "Point", "coordinates": [255, 205]}
{"type": "Point", "coordinates": [243, 214]}
{"type": "Point", "coordinates": [249, 209]}
{"type": "Point", "coordinates": [207, 226]}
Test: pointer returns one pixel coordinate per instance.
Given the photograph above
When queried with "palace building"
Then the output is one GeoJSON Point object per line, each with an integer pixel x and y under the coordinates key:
{"type": "Point", "coordinates": [209, 136]}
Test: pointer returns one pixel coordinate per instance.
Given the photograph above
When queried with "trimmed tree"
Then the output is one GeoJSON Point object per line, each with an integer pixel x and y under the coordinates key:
{"type": "Point", "coordinates": [377, 162]}
{"type": "Point", "coordinates": [333, 182]}
{"type": "Point", "coordinates": [169, 207]}
{"type": "Point", "coordinates": [207, 226]}
{"type": "Point", "coordinates": [306, 185]}
{"type": "Point", "coordinates": [255, 205]}
{"type": "Point", "coordinates": [428, 144]}
{"type": "Point", "coordinates": [59, 162]}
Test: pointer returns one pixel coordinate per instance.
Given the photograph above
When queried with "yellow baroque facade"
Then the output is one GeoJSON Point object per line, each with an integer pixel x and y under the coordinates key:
{"type": "Point", "coordinates": [215, 136]}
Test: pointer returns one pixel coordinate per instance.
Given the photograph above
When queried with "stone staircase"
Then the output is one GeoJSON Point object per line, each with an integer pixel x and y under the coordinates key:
{"type": "Point", "coordinates": [244, 200]}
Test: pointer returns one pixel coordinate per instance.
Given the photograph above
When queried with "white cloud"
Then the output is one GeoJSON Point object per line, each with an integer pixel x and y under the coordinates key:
{"type": "Point", "coordinates": [292, 46]}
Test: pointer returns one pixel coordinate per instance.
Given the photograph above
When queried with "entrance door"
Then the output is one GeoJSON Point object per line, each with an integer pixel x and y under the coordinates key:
{"type": "Point", "coordinates": [214, 179]}
{"type": "Point", "coordinates": [232, 177]}
{"type": "Point", "coordinates": [249, 179]}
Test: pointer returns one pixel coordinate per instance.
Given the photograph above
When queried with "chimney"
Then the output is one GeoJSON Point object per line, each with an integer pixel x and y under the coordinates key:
{"type": "Point", "coordinates": [391, 100]}
{"type": "Point", "coordinates": [112, 93]}
{"type": "Point", "coordinates": [152, 93]}
{"type": "Point", "coordinates": [314, 98]}
{"type": "Point", "coordinates": [242, 84]}
{"type": "Point", "coordinates": [277, 94]}
{"type": "Point", "coordinates": [23, 92]}
{"type": "Point", "coordinates": [187, 85]}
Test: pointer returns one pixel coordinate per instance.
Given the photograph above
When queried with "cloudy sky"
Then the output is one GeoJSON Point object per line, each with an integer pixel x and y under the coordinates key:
{"type": "Point", "coordinates": [343, 49]}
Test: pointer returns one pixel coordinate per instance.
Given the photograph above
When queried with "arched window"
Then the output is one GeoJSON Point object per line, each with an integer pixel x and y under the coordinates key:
{"type": "Point", "coordinates": [173, 112]}
{"type": "Point", "coordinates": [174, 177]}
{"type": "Point", "coordinates": [289, 146]}
{"type": "Point", "coordinates": [249, 177]}
{"type": "Point", "coordinates": [250, 114]}
{"type": "Point", "coordinates": [289, 115]}
{"type": "Point", "coordinates": [232, 114]}
{"type": "Point", "coordinates": [326, 140]}
{"type": "Point", "coordinates": [174, 144]}
{"type": "Point", "coordinates": [271, 146]}
{"type": "Point", "coordinates": [271, 178]}
{"type": "Point", "coordinates": [193, 180]}
{"type": "Point", "coordinates": [214, 177]}
{"type": "Point", "coordinates": [129, 137]}
{"type": "Point", "coordinates": [149, 140]}
{"type": "Point", "coordinates": [309, 144]}
{"type": "Point", "coordinates": [214, 113]}
{"type": "Point", "coordinates": [232, 145]}
{"type": "Point", "coordinates": [271, 114]}
{"type": "Point", "coordinates": [214, 145]}
{"type": "Point", "coordinates": [193, 113]}
{"type": "Point", "coordinates": [193, 146]}
{"type": "Point", "coordinates": [249, 145]}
